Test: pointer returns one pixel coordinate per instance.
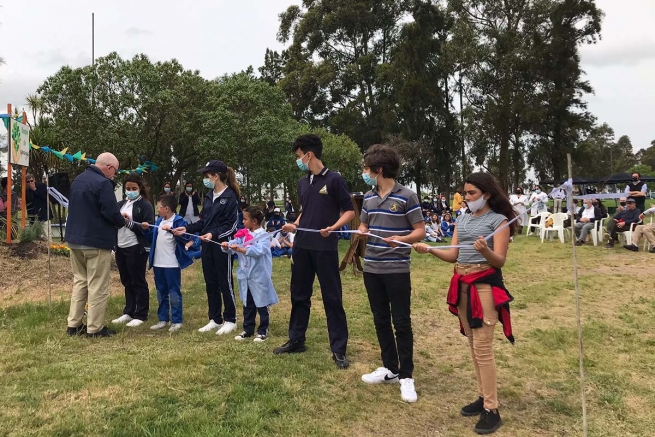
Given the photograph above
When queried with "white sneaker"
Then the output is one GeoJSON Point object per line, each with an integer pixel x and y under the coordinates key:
{"type": "Point", "coordinates": [381, 375]}
{"type": "Point", "coordinates": [175, 327]}
{"type": "Point", "coordinates": [122, 319]}
{"type": "Point", "coordinates": [134, 323]}
{"type": "Point", "coordinates": [260, 337]}
{"type": "Point", "coordinates": [227, 328]}
{"type": "Point", "coordinates": [407, 391]}
{"type": "Point", "coordinates": [209, 326]}
{"type": "Point", "coordinates": [243, 336]}
{"type": "Point", "coordinates": [159, 325]}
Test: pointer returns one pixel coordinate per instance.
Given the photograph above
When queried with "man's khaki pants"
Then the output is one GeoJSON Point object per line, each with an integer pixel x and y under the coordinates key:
{"type": "Point", "coordinates": [90, 282]}
{"type": "Point", "coordinates": [647, 231]}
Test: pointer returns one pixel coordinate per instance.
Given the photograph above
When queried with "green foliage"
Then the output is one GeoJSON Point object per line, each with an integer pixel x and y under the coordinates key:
{"type": "Point", "coordinates": [15, 226]}
{"type": "Point", "coordinates": [31, 232]}
{"type": "Point", "coordinates": [599, 156]}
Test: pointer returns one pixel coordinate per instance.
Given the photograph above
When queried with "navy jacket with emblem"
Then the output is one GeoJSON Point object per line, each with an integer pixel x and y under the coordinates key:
{"type": "Point", "coordinates": [93, 214]}
{"type": "Point", "coordinates": [218, 217]}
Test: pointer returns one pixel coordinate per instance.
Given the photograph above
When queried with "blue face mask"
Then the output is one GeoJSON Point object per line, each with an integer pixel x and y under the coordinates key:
{"type": "Point", "coordinates": [208, 183]}
{"type": "Point", "coordinates": [189, 189]}
{"type": "Point", "coordinates": [132, 194]}
{"type": "Point", "coordinates": [167, 190]}
{"type": "Point", "coordinates": [368, 180]}
{"type": "Point", "coordinates": [301, 165]}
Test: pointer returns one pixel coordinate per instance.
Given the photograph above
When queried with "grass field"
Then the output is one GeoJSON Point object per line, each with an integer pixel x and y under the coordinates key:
{"type": "Point", "coordinates": [141, 383]}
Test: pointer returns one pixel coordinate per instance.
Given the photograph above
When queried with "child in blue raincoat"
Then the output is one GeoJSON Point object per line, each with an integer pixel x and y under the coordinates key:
{"type": "Point", "coordinates": [254, 274]}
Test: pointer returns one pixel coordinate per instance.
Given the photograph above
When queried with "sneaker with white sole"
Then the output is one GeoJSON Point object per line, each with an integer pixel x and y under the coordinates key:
{"type": "Point", "coordinates": [122, 319]}
{"type": "Point", "coordinates": [175, 327]}
{"type": "Point", "coordinates": [381, 375]}
{"type": "Point", "coordinates": [134, 323]}
{"type": "Point", "coordinates": [407, 391]}
{"type": "Point", "coordinates": [227, 328]}
{"type": "Point", "coordinates": [243, 336]}
{"type": "Point", "coordinates": [260, 337]}
{"type": "Point", "coordinates": [209, 326]}
{"type": "Point", "coordinates": [159, 325]}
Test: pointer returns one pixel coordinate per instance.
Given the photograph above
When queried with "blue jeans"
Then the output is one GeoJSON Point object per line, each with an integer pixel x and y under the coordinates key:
{"type": "Point", "coordinates": [168, 282]}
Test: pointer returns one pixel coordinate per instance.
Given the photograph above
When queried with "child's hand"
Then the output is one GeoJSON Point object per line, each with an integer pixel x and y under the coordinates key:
{"type": "Point", "coordinates": [165, 227]}
{"type": "Point", "coordinates": [235, 247]}
{"type": "Point", "coordinates": [179, 231]}
{"type": "Point", "coordinates": [206, 237]}
{"type": "Point", "coordinates": [145, 226]}
{"type": "Point", "coordinates": [224, 245]}
{"type": "Point", "coordinates": [189, 244]}
{"type": "Point", "coordinates": [421, 248]}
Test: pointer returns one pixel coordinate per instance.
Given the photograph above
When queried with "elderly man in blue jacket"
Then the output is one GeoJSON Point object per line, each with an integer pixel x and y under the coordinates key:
{"type": "Point", "coordinates": [91, 228]}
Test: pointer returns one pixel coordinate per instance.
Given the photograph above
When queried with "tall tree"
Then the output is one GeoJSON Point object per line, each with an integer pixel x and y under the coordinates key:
{"type": "Point", "coordinates": [337, 49]}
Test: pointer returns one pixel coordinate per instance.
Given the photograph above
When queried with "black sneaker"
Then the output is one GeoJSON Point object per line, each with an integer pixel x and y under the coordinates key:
{"type": "Point", "coordinates": [474, 408]}
{"type": "Point", "coordinates": [579, 243]}
{"type": "Point", "coordinates": [290, 347]}
{"type": "Point", "coordinates": [104, 332]}
{"type": "Point", "coordinates": [72, 332]}
{"type": "Point", "coordinates": [652, 250]}
{"type": "Point", "coordinates": [489, 422]}
{"type": "Point", "coordinates": [609, 245]}
{"type": "Point", "coordinates": [631, 247]}
{"type": "Point", "coordinates": [340, 360]}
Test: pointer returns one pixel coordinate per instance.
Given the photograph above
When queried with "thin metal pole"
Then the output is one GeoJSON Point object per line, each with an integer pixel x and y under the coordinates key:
{"type": "Point", "coordinates": [577, 313]}
{"type": "Point", "coordinates": [93, 39]}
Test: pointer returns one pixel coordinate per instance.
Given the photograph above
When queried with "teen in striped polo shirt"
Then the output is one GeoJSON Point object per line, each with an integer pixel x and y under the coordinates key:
{"type": "Point", "coordinates": [391, 211]}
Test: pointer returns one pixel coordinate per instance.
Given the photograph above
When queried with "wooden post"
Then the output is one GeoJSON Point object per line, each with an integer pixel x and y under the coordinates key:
{"type": "Point", "coordinates": [9, 200]}
{"type": "Point", "coordinates": [23, 205]}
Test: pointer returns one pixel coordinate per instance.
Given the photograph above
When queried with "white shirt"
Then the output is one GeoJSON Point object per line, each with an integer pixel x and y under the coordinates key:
{"type": "Point", "coordinates": [588, 213]}
{"type": "Point", "coordinates": [557, 193]}
{"type": "Point", "coordinates": [538, 202]}
{"type": "Point", "coordinates": [127, 238]}
{"type": "Point", "coordinates": [217, 195]}
{"type": "Point", "coordinates": [165, 247]}
{"type": "Point", "coordinates": [519, 202]}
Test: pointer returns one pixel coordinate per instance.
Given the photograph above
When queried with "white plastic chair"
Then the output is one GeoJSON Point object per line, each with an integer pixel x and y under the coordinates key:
{"type": "Point", "coordinates": [558, 226]}
{"type": "Point", "coordinates": [600, 229]}
{"type": "Point", "coordinates": [544, 216]}
{"type": "Point", "coordinates": [626, 237]}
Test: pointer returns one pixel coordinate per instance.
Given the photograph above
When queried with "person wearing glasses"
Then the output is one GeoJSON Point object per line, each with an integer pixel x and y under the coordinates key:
{"type": "Point", "coordinates": [36, 198]}
{"type": "Point", "coordinates": [91, 232]}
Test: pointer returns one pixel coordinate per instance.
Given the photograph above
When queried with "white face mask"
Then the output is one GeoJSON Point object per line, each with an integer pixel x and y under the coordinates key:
{"type": "Point", "coordinates": [476, 205]}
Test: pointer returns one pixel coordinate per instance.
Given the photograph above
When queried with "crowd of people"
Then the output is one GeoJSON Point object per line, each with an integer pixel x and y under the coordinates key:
{"type": "Point", "coordinates": [222, 227]}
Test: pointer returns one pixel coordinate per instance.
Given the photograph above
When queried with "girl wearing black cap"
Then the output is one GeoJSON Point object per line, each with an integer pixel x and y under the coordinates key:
{"type": "Point", "coordinates": [218, 223]}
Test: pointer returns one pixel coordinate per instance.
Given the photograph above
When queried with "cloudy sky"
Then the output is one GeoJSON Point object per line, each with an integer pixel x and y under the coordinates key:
{"type": "Point", "coordinates": [223, 36]}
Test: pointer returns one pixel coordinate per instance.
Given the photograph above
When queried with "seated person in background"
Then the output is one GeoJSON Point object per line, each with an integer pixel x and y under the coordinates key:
{"type": "Point", "coordinates": [426, 215]}
{"type": "Point", "coordinates": [621, 221]}
{"type": "Point", "coordinates": [586, 221]}
{"type": "Point", "coordinates": [647, 231]}
{"type": "Point", "coordinates": [447, 225]}
{"type": "Point", "coordinates": [426, 205]}
{"type": "Point", "coordinates": [464, 209]}
{"type": "Point", "coordinates": [276, 222]}
{"type": "Point", "coordinates": [599, 203]}
{"type": "Point", "coordinates": [622, 204]}
{"type": "Point", "coordinates": [432, 235]}
{"type": "Point", "coordinates": [283, 244]}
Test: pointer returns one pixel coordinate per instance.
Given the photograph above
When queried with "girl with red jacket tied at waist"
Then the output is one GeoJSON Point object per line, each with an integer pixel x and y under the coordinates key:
{"type": "Point", "coordinates": [477, 294]}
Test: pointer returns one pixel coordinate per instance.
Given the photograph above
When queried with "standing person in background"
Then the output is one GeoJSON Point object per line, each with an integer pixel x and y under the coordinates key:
{"type": "Point", "coordinates": [189, 201]}
{"type": "Point", "coordinates": [558, 196]}
{"type": "Point", "coordinates": [390, 205]}
{"type": "Point", "coordinates": [166, 189]}
{"type": "Point", "coordinates": [289, 210]}
{"type": "Point", "coordinates": [93, 220]}
{"type": "Point", "coordinates": [538, 201]}
{"type": "Point", "coordinates": [457, 199]}
{"type": "Point", "coordinates": [132, 251]}
{"type": "Point", "coordinates": [477, 294]}
{"type": "Point", "coordinates": [36, 198]}
{"type": "Point", "coordinates": [323, 195]}
{"type": "Point", "coordinates": [15, 205]}
{"type": "Point", "coordinates": [519, 202]}
{"type": "Point", "coordinates": [218, 223]}
{"type": "Point", "coordinates": [638, 190]}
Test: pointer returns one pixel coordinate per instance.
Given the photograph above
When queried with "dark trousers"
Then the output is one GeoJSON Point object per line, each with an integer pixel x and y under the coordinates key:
{"type": "Point", "coordinates": [250, 311]}
{"type": "Point", "coordinates": [169, 293]}
{"type": "Point", "coordinates": [325, 264]}
{"type": "Point", "coordinates": [613, 230]}
{"type": "Point", "coordinates": [389, 297]}
{"type": "Point", "coordinates": [217, 270]}
{"type": "Point", "coordinates": [132, 269]}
